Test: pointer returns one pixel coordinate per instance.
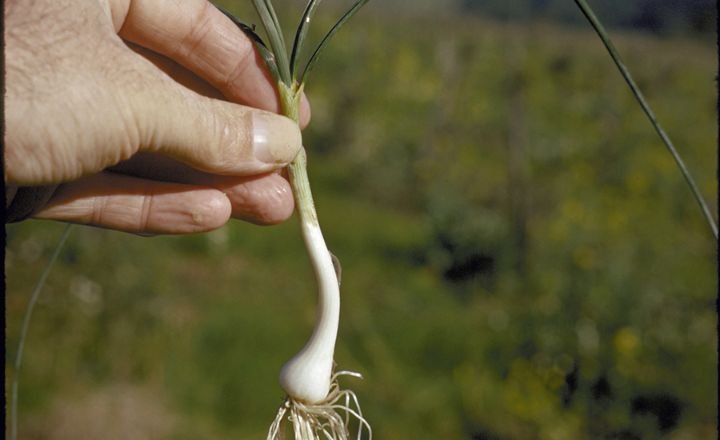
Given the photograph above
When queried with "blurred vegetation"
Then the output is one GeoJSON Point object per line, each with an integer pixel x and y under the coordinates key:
{"type": "Point", "coordinates": [521, 258]}
{"type": "Point", "coordinates": [661, 17]}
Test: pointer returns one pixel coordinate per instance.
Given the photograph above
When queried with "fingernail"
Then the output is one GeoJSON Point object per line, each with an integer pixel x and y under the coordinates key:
{"type": "Point", "coordinates": [276, 139]}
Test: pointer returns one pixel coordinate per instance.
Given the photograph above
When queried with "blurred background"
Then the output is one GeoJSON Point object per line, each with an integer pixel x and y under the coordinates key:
{"type": "Point", "coordinates": [521, 258]}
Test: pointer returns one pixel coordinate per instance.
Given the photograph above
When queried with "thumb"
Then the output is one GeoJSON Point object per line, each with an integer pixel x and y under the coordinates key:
{"type": "Point", "coordinates": [209, 134]}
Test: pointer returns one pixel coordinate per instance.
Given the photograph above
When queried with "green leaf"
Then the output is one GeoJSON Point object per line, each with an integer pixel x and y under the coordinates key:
{"type": "Point", "coordinates": [314, 57]}
{"type": "Point", "coordinates": [301, 33]}
{"type": "Point", "coordinates": [605, 38]}
{"type": "Point", "coordinates": [275, 36]}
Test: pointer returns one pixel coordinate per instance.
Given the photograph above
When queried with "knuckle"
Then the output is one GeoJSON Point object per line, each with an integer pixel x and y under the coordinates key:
{"type": "Point", "coordinates": [239, 68]}
{"type": "Point", "coordinates": [97, 212]}
{"type": "Point", "coordinates": [146, 209]}
{"type": "Point", "coordinates": [197, 28]}
{"type": "Point", "coordinates": [210, 214]}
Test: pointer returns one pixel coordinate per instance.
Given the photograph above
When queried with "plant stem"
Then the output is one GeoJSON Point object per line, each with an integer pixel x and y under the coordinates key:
{"type": "Point", "coordinates": [600, 30]}
{"type": "Point", "coordinates": [307, 375]}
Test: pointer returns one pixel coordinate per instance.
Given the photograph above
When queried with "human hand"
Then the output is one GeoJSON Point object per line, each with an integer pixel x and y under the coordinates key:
{"type": "Point", "coordinates": [123, 104]}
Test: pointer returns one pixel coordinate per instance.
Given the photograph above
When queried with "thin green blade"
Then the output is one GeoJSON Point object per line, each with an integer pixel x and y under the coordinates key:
{"type": "Point", "coordinates": [605, 38]}
{"type": "Point", "coordinates": [313, 59]}
{"type": "Point", "coordinates": [275, 36]}
{"type": "Point", "coordinates": [301, 33]}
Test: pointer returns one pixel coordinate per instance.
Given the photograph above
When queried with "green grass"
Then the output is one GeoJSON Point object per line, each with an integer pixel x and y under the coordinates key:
{"type": "Point", "coordinates": [425, 148]}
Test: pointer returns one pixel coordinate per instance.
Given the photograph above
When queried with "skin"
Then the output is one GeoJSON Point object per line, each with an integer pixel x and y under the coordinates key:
{"type": "Point", "coordinates": [150, 116]}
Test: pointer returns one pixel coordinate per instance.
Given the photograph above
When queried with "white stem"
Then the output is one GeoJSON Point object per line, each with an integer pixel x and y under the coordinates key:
{"type": "Point", "coordinates": [306, 377]}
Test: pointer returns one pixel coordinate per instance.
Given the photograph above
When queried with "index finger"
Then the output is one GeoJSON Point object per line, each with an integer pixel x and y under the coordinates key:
{"type": "Point", "coordinates": [198, 36]}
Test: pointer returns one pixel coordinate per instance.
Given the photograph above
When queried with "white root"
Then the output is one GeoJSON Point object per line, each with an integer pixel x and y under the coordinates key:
{"type": "Point", "coordinates": [329, 419]}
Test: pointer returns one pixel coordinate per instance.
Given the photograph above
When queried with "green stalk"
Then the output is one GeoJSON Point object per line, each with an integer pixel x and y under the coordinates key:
{"type": "Point", "coordinates": [290, 107]}
{"type": "Point", "coordinates": [301, 188]}
{"type": "Point", "coordinates": [600, 30]}
{"type": "Point", "coordinates": [290, 99]}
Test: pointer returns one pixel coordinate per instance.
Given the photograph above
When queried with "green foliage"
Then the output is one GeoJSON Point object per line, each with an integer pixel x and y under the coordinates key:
{"type": "Point", "coordinates": [520, 257]}
{"type": "Point", "coordinates": [663, 17]}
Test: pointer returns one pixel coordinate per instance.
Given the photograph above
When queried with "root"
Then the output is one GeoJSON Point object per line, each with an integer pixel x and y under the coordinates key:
{"type": "Point", "coordinates": [327, 420]}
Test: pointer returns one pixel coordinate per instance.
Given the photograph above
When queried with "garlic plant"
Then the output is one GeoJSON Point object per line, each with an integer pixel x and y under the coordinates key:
{"type": "Point", "coordinates": [315, 405]}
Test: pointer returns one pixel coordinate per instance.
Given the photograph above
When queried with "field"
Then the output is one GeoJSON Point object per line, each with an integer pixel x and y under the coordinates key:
{"type": "Point", "coordinates": [521, 258]}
